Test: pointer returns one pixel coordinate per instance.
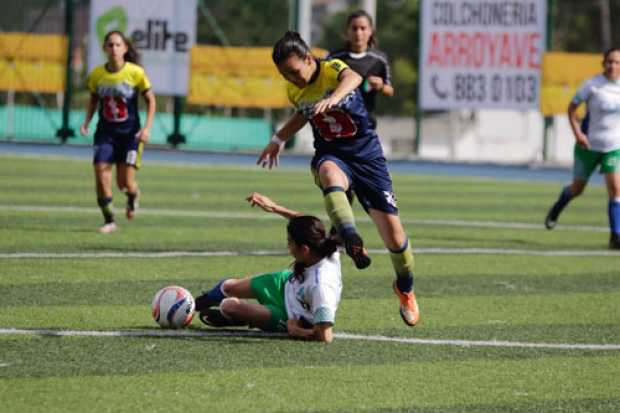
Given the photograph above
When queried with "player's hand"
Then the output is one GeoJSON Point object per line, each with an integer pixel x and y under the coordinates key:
{"type": "Point", "coordinates": [270, 155]}
{"type": "Point", "coordinates": [375, 82]}
{"type": "Point", "coordinates": [582, 140]}
{"type": "Point", "coordinates": [324, 105]}
{"type": "Point", "coordinates": [84, 129]}
{"type": "Point", "coordinates": [258, 199]}
{"type": "Point", "coordinates": [144, 134]}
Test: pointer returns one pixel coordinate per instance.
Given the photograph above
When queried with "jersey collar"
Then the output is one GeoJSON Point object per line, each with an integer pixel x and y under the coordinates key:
{"type": "Point", "coordinates": [358, 55]}
{"type": "Point", "coordinates": [317, 72]}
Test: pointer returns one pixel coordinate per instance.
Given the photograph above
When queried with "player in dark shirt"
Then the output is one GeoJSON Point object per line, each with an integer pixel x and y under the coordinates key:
{"type": "Point", "coordinates": [361, 55]}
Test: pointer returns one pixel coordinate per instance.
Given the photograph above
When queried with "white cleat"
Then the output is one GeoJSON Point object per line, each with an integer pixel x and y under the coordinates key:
{"type": "Point", "coordinates": [107, 228]}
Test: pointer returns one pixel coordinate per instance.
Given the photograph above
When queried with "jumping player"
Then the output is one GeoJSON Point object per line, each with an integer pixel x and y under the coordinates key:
{"type": "Point", "coordinates": [597, 142]}
{"type": "Point", "coordinates": [115, 87]}
{"type": "Point", "coordinates": [302, 301]}
{"type": "Point", "coordinates": [361, 54]}
{"type": "Point", "coordinates": [348, 157]}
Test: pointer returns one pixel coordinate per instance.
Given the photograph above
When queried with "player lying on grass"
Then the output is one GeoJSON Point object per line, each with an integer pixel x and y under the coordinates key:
{"type": "Point", "coordinates": [301, 300]}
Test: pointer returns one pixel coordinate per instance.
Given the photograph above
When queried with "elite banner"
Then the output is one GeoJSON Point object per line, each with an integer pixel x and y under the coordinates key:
{"type": "Point", "coordinates": [163, 32]}
{"type": "Point", "coordinates": [481, 53]}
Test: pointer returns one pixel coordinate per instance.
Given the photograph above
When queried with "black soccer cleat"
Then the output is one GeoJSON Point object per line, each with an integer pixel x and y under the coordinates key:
{"type": "Point", "coordinates": [552, 217]}
{"type": "Point", "coordinates": [354, 246]}
{"type": "Point", "coordinates": [203, 302]}
{"type": "Point", "coordinates": [213, 317]}
{"type": "Point", "coordinates": [614, 242]}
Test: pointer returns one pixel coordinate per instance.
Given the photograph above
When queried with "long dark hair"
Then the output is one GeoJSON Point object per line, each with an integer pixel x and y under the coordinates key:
{"type": "Point", "coordinates": [132, 54]}
{"type": "Point", "coordinates": [372, 41]}
{"type": "Point", "coordinates": [289, 44]}
{"type": "Point", "coordinates": [310, 231]}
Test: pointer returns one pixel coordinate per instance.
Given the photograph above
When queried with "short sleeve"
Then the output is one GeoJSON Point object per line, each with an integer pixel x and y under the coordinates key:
{"type": "Point", "coordinates": [334, 67]}
{"type": "Point", "coordinates": [142, 81]}
{"type": "Point", "coordinates": [324, 302]}
{"type": "Point", "coordinates": [583, 92]}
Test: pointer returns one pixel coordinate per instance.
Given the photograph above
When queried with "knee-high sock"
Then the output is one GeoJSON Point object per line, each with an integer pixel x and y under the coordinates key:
{"type": "Point", "coordinates": [339, 209]}
{"type": "Point", "coordinates": [403, 263]}
{"type": "Point", "coordinates": [105, 204]}
{"type": "Point", "coordinates": [216, 294]}
{"type": "Point", "coordinates": [565, 196]}
{"type": "Point", "coordinates": [613, 210]}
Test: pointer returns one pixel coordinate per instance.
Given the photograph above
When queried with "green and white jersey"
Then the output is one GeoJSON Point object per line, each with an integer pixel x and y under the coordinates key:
{"type": "Point", "coordinates": [603, 99]}
{"type": "Point", "coordinates": [315, 298]}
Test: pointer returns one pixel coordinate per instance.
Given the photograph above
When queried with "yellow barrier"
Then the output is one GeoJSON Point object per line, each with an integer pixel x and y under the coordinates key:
{"type": "Point", "coordinates": [242, 77]}
{"type": "Point", "coordinates": [562, 73]}
{"type": "Point", "coordinates": [32, 62]}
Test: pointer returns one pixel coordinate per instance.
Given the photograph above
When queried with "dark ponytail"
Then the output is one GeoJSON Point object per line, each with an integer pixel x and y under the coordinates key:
{"type": "Point", "coordinates": [309, 230]}
{"type": "Point", "coordinates": [132, 54]}
{"type": "Point", "coordinates": [290, 44]}
{"type": "Point", "coordinates": [372, 41]}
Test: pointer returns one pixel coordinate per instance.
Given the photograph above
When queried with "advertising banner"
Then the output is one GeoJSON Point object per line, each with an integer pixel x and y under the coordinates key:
{"type": "Point", "coordinates": [481, 53]}
{"type": "Point", "coordinates": [162, 31]}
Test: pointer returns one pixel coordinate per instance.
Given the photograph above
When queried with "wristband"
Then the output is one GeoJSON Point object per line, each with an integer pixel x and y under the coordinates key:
{"type": "Point", "coordinates": [276, 140]}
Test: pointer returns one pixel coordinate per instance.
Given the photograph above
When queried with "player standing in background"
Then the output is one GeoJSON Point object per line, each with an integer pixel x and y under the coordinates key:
{"type": "Point", "coordinates": [599, 144]}
{"type": "Point", "coordinates": [115, 87]}
{"type": "Point", "coordinates": [302, 301]}
{"type": "Point", "coordinates": [361, 54]}
{"type": "Point", "coordinates": [348, 155]}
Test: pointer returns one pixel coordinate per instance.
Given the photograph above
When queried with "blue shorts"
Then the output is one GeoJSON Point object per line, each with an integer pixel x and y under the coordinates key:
{"type": "Point", "coordinates": [117, 148]}
{"type": "Point", "coordinates": [369, 179]}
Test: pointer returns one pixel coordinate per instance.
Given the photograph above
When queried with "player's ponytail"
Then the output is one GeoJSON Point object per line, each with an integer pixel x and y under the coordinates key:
{"type": "Point", "coordinates": [131, 55]}
{"type": "Point", "coordinates": [310, 231]}
{"type": "Point", "coordinates": [290, 44]}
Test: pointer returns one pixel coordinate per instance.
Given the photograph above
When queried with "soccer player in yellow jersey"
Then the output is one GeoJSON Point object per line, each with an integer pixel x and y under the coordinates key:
{"type": "Point", "coordinates": [119, 139]}
{"type": "Point", "coordinates": [348, 157]}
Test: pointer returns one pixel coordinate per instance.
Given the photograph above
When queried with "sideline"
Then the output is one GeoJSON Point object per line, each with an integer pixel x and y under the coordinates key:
{"type": "Point", "coordinates": [278, 253]}
{"type": "Point", "coordinates": [252, 216]}
{"type": "Point", "coordinates": [344, 336]}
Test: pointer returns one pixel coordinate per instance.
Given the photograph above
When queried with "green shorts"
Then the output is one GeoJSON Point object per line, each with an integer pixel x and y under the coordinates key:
{"type": "Point", "coordinates": [586, 161]}
{"type": "Point", "coordinates": [269, 291]}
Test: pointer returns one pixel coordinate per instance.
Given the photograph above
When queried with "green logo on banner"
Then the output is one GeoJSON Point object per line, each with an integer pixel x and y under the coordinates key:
{"type": "Point", "coordinates": [113, 19]}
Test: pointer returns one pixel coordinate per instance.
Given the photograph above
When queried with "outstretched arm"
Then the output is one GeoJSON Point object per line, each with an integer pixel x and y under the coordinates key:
{"type": "Point", "coordinates": [270, 155]}
{"type": "Point", "coordinates": [267, 205]}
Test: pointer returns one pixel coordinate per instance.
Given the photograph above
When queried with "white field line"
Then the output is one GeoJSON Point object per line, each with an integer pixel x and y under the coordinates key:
{"type": "Point", "coordinates": [276, 253]}
{"type": "Point", "coordinates": [344, 336]}
{"type": "Point", "coordinates": [255, 216]}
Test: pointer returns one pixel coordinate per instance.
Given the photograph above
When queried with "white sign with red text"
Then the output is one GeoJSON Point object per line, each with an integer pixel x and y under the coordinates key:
{"type": "Point", "coordinates": [481, 53]}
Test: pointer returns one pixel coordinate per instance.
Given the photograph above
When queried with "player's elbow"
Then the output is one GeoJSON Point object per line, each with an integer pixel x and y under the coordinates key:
{"type": "Point", "coordinates": [323, 333]}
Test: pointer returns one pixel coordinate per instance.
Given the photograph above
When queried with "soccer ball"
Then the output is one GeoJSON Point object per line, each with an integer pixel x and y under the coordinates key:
{"type": "Point", "coordinates": [173, 307]}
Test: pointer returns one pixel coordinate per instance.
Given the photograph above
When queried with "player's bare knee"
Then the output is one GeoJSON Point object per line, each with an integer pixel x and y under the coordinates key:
{"type": "Point", "coordinates": [230, 306]}
{"type": "Point", "coordinates": [228, 287]}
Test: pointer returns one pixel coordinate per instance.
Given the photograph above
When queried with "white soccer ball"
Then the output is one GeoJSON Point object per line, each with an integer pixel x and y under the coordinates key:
{"type": "Point", "coordinates": [173, 307]}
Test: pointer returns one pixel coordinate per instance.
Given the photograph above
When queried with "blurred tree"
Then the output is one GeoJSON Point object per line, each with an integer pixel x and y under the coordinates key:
{"type": "Point", "coordinates": [245, 23]}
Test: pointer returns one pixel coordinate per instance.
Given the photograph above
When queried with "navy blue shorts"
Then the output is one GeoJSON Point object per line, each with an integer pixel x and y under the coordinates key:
{"type": "Point", "coordinates": [117, 148]}
{"type": "Point", "coordinates": [370, 180]}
